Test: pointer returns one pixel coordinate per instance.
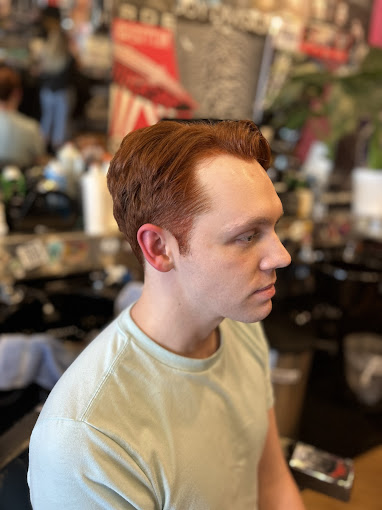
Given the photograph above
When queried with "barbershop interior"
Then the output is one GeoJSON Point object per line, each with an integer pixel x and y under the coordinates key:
{"type": "Point", "coordinates": [309, 74]}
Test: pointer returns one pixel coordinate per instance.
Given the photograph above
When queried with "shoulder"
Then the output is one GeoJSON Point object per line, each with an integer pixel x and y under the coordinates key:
{"type": "Point", "coordinates": [27, 123]}
{"type": "Point", "coordinates": [81, 384]}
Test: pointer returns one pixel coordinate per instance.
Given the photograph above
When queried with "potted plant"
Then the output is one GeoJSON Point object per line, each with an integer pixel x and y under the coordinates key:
{"type": "Point", "coordinates": [347, 101]}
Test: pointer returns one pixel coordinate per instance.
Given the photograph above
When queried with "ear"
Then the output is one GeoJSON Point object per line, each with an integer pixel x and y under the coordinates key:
{"type": "Point", "coordinates": [154, 244]}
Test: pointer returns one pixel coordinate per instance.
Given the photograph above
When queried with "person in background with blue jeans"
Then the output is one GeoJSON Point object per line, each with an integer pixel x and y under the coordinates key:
{"type": "Point", "coordinates": [56, 66]}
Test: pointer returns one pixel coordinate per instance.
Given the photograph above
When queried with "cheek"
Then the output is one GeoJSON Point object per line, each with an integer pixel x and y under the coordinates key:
{"type": "Point", "coordinates": [231, 271]}
{"type": "Point", "coordinates": [239, 263]}
{"type": "Point", "coordinates": [224, 268]}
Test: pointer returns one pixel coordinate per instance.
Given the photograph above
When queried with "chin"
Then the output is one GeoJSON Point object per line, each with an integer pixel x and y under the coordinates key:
{"type": "Point", "coordinates": [255, 314]}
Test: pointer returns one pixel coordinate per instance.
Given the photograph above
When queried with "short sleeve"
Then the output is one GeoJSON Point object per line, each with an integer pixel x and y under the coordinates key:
{"type": "Point", "coordinates": [74, 466]}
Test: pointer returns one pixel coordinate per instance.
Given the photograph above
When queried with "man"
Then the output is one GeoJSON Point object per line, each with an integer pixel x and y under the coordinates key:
{"type": "Point", "coordinates": [21, 142]}
{"type": "Point", "coordinates": [171, 406]}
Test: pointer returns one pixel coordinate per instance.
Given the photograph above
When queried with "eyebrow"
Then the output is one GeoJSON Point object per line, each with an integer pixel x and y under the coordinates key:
{"type": "Point", "coordinates": [249, 224]}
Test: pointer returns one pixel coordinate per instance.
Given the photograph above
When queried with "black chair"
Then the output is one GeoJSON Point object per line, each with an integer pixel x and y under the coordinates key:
{"type": "Point", "coordinates": [14, 444]}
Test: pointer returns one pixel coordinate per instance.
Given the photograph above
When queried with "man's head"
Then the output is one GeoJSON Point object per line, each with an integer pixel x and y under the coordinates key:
{"type": "Point", "coordinates": [50, 17]}
{"type": "Point", "coordinates": [152, 177]}
{"type": "Point", "coordinates": [10, 85]}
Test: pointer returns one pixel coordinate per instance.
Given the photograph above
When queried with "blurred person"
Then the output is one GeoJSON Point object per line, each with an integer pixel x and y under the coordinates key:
{"type": "Point", "coordinates": [56, 66]}
{"type": "Point", "coordinates": [21, 141]}
{"type": "Point", "coordinates": [171, 406]}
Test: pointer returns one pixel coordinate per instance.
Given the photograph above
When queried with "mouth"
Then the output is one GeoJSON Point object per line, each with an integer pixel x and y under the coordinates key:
{"type": "Point", "coordinates": [268, 291]}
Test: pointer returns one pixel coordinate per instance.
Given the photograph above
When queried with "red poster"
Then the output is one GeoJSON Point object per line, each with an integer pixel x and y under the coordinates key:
{"type": "Point", "coordinates": [375, 33]}
{"type": "Point", "coordinates": [146, 83]}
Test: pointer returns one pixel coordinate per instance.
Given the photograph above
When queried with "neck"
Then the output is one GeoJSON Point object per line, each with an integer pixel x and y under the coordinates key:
{"type": "Point", "coordinates": [10, 105]}
{"type": "Point", "coordinates": [174, 326]}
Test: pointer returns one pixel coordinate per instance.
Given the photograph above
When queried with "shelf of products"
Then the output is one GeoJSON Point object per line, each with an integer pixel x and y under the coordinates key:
{"type": "Point", "coordinates": [58, 254]}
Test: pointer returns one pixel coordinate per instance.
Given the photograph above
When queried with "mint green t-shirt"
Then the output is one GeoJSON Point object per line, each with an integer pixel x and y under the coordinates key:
{"type": "Point", "coordinates": [131, 425]}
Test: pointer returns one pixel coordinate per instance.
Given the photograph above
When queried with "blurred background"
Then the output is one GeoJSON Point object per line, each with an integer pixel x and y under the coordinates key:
{"type": "Point", "coordinates": [76, 76]}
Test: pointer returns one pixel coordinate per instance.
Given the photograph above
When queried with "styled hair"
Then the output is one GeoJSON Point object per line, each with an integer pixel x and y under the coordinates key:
{"type": "Point", "coordinates": [9, 82]}
{"type": "Point", "coordinates": [152, 176]}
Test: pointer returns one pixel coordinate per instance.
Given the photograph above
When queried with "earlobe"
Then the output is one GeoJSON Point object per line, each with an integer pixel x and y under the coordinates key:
{"type": "Point", "coordinates": [154, 246]}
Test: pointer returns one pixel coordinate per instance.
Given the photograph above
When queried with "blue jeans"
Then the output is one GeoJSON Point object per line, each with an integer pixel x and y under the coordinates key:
{"type": "Point", "coordinates": [55, 106]}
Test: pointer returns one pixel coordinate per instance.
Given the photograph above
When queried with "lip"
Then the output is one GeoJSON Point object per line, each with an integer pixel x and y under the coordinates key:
{"type": "Point", "coordinates": [266, 292]}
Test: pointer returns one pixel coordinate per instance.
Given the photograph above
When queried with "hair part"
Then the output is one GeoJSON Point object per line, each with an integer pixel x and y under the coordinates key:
{"type": "Point", "coordinates": [152, 177]}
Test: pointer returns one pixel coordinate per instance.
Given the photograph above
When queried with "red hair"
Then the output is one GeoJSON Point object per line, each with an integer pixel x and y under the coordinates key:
{"type": "Point", "coordinates": [152, 176]}
{"type": "Point", "coordinates": [9, 82]}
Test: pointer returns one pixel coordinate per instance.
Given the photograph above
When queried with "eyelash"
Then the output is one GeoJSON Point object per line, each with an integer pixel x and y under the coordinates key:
{"type": "Point", "coordinates": [249, 239]}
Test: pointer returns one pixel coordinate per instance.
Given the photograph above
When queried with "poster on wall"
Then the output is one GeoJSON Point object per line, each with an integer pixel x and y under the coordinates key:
{"type": "Point", "coordinates": [145, 86]}
{"type": "Point", "coordinates": [213, 58]}
{"type": "Point", "coordinates": [375, 32]}
{"type": "Point", "coordinates": [337, 31]}
{"type": "Point", "coordinates": [220, 48]}
{"type": "Point", "coordinates": [184, 58]}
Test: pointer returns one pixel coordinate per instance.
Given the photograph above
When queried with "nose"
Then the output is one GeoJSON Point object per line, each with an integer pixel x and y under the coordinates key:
{"type": "Point", "coordinates": [275, 256]}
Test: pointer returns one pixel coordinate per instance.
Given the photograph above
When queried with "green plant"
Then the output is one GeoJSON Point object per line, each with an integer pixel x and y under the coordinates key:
{"type": "Point", "coordinates": [349, 100]}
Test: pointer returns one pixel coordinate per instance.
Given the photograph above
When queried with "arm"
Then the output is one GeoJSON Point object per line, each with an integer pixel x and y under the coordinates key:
{"type": "Point", "coordinates": [75, 467]}
{"type": "Point", "coordinates": [277, 489]}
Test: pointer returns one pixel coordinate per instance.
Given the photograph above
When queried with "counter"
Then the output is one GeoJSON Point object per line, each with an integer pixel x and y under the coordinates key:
{"type": "Point", "coordinates": [367, 488]}
{"type": "Point", "coordinates": [59, 254]}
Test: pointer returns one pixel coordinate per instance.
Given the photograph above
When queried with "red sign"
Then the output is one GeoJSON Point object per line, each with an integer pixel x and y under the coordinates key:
{"type": "Point", "coordinates": [146, 83]}
{"type": "Point", "coordinates": [375, 33]}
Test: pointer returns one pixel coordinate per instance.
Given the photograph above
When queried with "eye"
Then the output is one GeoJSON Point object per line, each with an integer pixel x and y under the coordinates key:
{"type": "Point", "coordinates": [248, 238]}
